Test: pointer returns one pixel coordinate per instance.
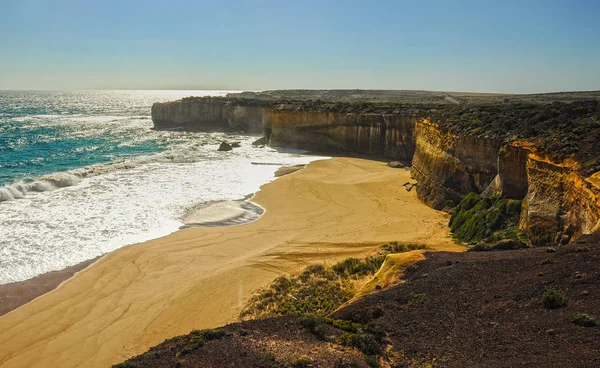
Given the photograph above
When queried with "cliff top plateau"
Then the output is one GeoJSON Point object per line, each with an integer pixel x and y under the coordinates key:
{"type": "Point", "coordinates": [416, 96]}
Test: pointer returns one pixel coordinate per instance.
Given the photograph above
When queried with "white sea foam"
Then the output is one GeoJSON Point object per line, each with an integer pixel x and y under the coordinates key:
{"type": "Point", "coordinates": [62, 219]}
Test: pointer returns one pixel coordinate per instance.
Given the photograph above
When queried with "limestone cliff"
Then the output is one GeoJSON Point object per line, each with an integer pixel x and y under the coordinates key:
{"type": "Point", "coordinates": [208, 114]}
{"type": "Point", "coordinates": [384, 135]}
{"type": "Point", "coordinates": [454, 150]}
{"type": "Point", "coordinates": [560, 204]}
{"type": "Point", "coordinates": [448, 166]}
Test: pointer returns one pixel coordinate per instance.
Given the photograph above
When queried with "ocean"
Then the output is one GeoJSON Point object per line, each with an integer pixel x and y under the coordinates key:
{"type": "Point", "coordinates": [82, 174]}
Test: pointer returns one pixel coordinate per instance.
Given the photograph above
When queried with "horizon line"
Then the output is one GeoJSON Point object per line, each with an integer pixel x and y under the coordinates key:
{"type": "Point", "coordinates": [285, 89]}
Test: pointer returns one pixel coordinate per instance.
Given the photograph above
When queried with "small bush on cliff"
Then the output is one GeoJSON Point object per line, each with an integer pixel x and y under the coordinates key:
{"type": "Point", "coordinates": [584, 320]}
{"type": "Point", "coordinates": [487, 222]}
{"type": "Point", "coordinates": [365, 342]}
{"type": "Point", "coordinates": [554, 299]}
{"type": "Point", "coordinates": [354, 267]}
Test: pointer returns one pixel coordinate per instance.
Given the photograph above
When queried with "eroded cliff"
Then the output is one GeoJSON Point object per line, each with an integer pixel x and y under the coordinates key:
{"type": "Point", "coordinates": [448, 166]}
{"type": "Point", "coordinates": [208, 114]}
{"type": "Point", "coordinates": [544, 154]}
{"type": "Point", "coordinates": [385, 135]}
{"type": "Point", "coordinates": [560, 203]}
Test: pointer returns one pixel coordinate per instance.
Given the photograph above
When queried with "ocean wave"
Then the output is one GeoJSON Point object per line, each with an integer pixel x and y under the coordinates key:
{"type": "Point", "coordinates": [44, 184]}
{"type": "Point", "coordinates": [184, 153]}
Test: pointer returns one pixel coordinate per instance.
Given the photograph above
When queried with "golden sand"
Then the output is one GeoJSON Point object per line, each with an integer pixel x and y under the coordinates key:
{"type": "Point", "coordinates": [197, 278]}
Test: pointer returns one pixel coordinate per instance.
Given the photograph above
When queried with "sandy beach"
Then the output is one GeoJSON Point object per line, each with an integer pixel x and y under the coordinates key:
{"type": "Point", "coordinates": [196, 278]}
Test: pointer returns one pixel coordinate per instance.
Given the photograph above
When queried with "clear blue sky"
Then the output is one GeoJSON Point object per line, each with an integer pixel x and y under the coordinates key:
{"type": "Point", "coordinates": [487, 46]}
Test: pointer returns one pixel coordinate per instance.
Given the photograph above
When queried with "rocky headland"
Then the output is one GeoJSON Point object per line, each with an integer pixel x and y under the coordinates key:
{"type": "Point", "coordinates": [545, 154]}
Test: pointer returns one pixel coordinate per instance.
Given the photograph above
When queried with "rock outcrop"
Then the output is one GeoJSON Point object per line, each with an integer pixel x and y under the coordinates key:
{"type": "Point", "coordinates": [560, 204]}
{"type": "Point", "coordinates": [449, 166]}
{"type": "Point", "coordinates": [385, 135]}
{"type": "Point", "coordinates": [208, 114]}
{"type": "Point", "coordinates": [224, 146]}
{"type": "Point", "coordinates": [454, 149]}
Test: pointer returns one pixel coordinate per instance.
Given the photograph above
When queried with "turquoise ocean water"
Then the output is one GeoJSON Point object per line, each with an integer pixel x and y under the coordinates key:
{"type": "Point", "coordinates": [82, 173]}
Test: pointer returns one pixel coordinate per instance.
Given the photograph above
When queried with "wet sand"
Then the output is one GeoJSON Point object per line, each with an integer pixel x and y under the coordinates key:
{"type": "Point", "coordinates": [142, 294]}
{"type": "Point", "coordinates": [16, 294]}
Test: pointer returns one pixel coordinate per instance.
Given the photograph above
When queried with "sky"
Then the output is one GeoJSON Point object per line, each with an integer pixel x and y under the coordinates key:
{"type": "Point", "coordinates": [507, 46]}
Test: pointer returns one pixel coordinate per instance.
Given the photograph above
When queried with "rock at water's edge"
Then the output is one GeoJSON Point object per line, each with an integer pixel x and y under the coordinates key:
{"type": "Point", "coordinates": [396, 164]}
{"type": "Point", "coordinates": [225, 147]}
{"type": "Point", "coordinates": [260, 141]}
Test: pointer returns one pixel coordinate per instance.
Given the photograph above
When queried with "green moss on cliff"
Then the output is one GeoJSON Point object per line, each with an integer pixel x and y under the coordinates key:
{"type": "Point", "coordinates": [487, 222]}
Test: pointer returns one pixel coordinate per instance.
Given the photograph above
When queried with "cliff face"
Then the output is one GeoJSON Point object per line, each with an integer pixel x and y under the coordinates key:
{"type": "Point", "coordinates": [451, 149]}
{"type": "Point", "coordinates": [207, 114]}
{"type": "Point", "coordinates": [384, 135]}
{"type": "Point", "coordinates": [560, 204]}
{"type": "Point", "coordinates": [447, 166]}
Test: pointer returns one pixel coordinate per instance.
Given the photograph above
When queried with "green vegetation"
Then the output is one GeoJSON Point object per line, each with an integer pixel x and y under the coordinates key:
{"type": "Point", "coordinates": [367, 343]}
{"type": "Point", "coordinates": [487, 223]}
{"type": "Point", "coordinates": [554, 299]}
{"type": "Point", "coordinates": [319, 290]}
{"type": "Point", "coordinates": [303, 362]}
{"type": "Point", "coordinates": [312, 324]}
{"type": "Point", "coordinates": [584, 320]}
{"type": "Point", "coordinates": [367, 339]}
{"type": "Point", "coordinates": [372, 361]}
{"type": "Point", "coordinates": [395, 247]}
{"type": "Point", "coordinates": [189, 343]}
{"type": "Point", "coordinates": [197, 339]}
{"type": "Point", "coordinates": [343, 324]}
{"type": "Point", "coordinates": [354, 267]}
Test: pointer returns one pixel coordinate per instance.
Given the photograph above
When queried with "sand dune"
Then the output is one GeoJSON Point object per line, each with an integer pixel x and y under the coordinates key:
{"type": "Point", "coordinates": [198, 278]}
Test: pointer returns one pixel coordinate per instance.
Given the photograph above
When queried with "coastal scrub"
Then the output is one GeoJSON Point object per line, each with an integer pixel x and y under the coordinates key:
{"type": "Point", "coordinates": [485, 223]}
{"type": "Point", "coordinates": [319, 290]}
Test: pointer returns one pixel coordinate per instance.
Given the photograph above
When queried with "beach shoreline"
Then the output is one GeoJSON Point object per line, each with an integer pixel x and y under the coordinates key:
{"type": "Point", "coordinates": [229, 213]}
{"type": "Point", "coordinates": [16, 294]}
{"type": "Point", "coordinates": [136, 296]}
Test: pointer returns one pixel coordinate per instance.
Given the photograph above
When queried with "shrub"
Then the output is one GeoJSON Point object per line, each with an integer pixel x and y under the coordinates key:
{"type": "Point", "coordinates": [213, 334]}
{"type": "Point", "coordinates": [343, 324]}
{"type": "Point", "coordinates": [554, 299]}
{"type": "Point", "coordinates": [395, 247]}
{"type": "Point", "coordinates": [302, 362]}
{"type": "Point", "coordinates": [309, 322]}
{"type": "Point", "coordinates": [197, 339]}
{"type": "Point", "coordinates": [584, 320]}
{"type": "Point", "coordinates": [316, 291]}
{"type": "Point", "coordinates": [358, 267]}
{"type": "Point", "coordinates": [377, 331]}
{"type": "Point", "coordinates": [378, 312]}
{"type": "Point", "coordinates": [372, 361]}
{"type": "Point", "coordinates": [366, 343]}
